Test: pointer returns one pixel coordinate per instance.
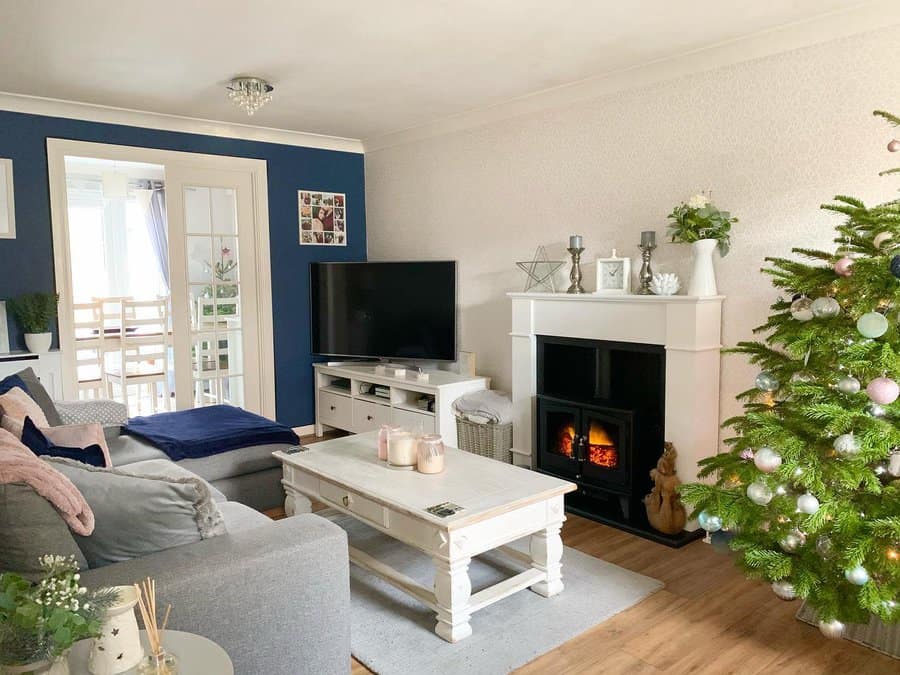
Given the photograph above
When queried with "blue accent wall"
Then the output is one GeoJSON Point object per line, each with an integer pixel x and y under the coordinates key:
{"type": "Point", "coordinates": [26, 262]}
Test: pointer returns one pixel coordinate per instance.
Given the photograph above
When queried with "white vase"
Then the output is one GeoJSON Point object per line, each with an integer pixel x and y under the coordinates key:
{"type": "Point", "coordinates": [703, 275]}
{"type": "Point", "coordinates": [38, 343]}
{"type": "Point", "coordinates": [119, 646]}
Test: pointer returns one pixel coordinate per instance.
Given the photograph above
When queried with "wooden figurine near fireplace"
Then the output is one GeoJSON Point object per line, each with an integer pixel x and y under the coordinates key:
{"type": "Point", "coordinates": [665, 511]}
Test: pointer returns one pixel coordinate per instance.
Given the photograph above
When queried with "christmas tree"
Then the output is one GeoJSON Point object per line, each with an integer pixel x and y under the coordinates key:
{"type": "Point", "coordinates": [810, 489]}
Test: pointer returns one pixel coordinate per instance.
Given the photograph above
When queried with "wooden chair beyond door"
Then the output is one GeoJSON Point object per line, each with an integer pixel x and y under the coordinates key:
{"type": "Point", "coordinates": [144, 353]}
{"type": "Point", "coordinates": [90, 348]}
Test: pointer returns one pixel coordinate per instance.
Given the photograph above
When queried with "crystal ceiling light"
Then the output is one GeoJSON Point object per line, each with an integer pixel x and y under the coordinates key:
{"type": "Point", "coordinates": [249, 93]}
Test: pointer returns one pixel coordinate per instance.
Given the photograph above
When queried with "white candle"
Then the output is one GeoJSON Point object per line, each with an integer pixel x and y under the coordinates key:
{"type": "Point", "coordinates": [575, 241]}
{"type": "Point", "coordinates": [402, 449]}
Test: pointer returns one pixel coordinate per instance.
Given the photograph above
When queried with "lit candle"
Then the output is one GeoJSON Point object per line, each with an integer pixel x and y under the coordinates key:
{"type": "Point", "coordinates": [402, 449]}
{"type": "Point", "coordinates": [648, 238]}
{"type": "Point", "coordinates": [575, 241]}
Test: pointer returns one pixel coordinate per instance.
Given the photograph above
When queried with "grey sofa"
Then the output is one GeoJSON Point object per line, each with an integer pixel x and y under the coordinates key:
{"type": "Point", "coordinates": [274, 595]}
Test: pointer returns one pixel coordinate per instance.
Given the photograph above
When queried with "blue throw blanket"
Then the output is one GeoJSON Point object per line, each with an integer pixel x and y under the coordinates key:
{"type": "Point", "coordinates": [188, 434]}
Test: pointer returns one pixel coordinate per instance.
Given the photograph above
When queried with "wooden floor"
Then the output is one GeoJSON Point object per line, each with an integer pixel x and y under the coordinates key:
{"type": "Point", "coordinates": [707, 619]}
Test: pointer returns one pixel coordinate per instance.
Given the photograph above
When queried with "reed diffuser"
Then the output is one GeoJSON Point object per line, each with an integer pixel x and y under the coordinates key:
{"type": "Point", "coordinates": [157, 662]}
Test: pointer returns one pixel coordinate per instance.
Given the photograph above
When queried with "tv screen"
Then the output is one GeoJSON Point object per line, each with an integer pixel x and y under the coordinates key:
{"type": "Point", "coordinates": [391, 310]}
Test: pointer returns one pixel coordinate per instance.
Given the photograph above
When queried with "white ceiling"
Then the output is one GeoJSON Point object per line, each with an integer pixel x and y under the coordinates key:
{"type": "Point", "coordinates": [356, 69]}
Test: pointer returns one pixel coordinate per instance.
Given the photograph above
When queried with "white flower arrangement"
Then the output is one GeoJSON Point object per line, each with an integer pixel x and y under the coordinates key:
{"type": "Point", "coordinates": [698, 201]}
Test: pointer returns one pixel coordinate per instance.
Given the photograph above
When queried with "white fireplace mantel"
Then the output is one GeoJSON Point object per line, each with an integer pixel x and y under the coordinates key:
{"type": "Point", "coordinates": [690, 329]}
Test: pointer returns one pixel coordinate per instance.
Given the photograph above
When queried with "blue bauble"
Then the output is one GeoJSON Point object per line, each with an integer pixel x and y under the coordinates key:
{"type": "Point", "coordinates": [872, 325]}
{"type": "Point", "coordinates": [766, 381]}
{"type": "Point", "coordinates": [709, 522]}
{"type": "Point", "coordinates": [895, 266]}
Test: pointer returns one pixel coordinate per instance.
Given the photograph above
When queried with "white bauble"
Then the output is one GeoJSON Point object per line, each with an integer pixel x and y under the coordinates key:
{"type": "Point", "coordinates": [807, 503]}
{"type": "Point", "coordinates": [833, 629]}
{"type": "Point", "coordinates": [858, 575]}
{"type": "Point", "coordinates": [881, 238]}
{"type": "Point", "coordinates": [759, 493]}
{"type": "Point", "coordinates": [766, 460]}
{"type": "Point", "coordinates": [825, 308]}
{"type": "Point", "coordinates": [784, 589]}
{"type": "Point", "coordinates": [846, 445]}
{"type": "Point", "coordinates": [792, 541]}
{"type": "Point", "coordinates": [801, 309]}
{"type": "Point", "coordinates": [894, 464]}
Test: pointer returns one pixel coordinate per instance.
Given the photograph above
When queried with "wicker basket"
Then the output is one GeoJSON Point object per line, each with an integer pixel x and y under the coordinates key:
{"type": "Point", "coordinates": [487, 440]}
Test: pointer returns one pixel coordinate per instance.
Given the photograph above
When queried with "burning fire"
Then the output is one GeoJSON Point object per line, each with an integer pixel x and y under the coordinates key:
{"type": "Point", "coordinates": [565, 442]}
{"type": "Point", "coordinates": [601, 448]}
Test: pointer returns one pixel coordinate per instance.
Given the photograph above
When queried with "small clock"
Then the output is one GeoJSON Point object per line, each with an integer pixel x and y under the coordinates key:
{"type": "Point", "coordinates": [613, 275]}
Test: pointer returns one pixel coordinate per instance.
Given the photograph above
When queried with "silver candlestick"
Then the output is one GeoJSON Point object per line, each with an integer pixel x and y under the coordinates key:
{"type": "Point", "coordinates": [575, 275]}
{"type": "Point", "coordinates": [646, 274]}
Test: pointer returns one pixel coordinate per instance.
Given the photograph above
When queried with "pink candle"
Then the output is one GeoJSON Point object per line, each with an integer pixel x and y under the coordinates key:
{"type": "Point", "coordinates": [431, 454]}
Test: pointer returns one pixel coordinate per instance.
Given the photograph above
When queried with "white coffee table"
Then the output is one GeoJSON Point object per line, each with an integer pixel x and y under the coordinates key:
{"type": "Point", "coordinates": [500, 504]}
{"type": "Point", "coordinates": [196, 654]}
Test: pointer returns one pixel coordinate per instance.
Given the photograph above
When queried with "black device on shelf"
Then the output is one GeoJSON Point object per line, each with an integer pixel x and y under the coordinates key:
{"type": "Point", "coordinates": [389, 310]}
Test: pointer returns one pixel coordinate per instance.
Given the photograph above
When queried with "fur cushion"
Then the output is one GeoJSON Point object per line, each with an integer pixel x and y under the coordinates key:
{"type": "Point", "coordinates": [16, 405]}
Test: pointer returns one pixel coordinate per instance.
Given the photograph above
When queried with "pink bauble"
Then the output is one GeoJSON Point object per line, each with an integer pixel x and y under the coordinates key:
{"type": "Point", "coordinates": [883, 390]}
{"type": "Point", "coordinates": [894, 146]}
{"type": "Point", "coordinates": [843, 267]}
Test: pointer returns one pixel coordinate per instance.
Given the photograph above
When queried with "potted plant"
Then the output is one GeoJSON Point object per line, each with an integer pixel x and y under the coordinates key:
{"type": "Point", "coordinates": [699, 223]}
{"type": "Point", "coordinates": [34, 311]}
{"type": "Point", "coordinates": [39, 622]}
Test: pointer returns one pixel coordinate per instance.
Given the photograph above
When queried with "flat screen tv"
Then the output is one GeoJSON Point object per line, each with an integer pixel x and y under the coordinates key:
{"type": "Point", "coordinates": [387, 310]}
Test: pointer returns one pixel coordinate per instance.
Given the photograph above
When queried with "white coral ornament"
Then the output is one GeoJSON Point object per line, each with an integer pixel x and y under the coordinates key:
{"type": "Point", "coordinates": [665, 284]}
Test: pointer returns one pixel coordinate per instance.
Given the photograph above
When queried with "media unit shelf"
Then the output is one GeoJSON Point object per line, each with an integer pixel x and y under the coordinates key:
{"type": "Point", "coordinates": [353, 409]}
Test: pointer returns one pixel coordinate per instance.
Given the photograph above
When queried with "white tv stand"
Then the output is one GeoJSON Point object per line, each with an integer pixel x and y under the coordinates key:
{"type": "Point", "coordinates": [349, 409]}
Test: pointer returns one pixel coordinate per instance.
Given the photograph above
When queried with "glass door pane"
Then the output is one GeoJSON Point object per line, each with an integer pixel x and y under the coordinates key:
{"type": "Point", "coordinates": [214, 287]}
{"type": "Point", "coordinates": [213, 272]}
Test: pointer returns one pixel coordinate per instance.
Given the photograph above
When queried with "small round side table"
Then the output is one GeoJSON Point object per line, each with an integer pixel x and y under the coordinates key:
{"type": "Point", "coordinates": [196, 654]}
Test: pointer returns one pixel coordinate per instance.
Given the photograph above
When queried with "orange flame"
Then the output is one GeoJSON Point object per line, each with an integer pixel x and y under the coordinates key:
{"type": "Point", "coordinates": [602, 449]}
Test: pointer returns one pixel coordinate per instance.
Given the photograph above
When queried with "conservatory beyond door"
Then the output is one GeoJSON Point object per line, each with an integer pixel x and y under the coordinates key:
{"type": "Point", "coordinates": [219, 296]}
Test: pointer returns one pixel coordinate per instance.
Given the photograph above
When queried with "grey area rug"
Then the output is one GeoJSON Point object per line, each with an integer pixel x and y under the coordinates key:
{"type": "Point", "coordinates": [392, 634]}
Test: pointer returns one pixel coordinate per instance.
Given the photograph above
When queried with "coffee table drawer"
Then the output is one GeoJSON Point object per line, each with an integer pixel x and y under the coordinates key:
{"type": "Point", "coordinates": [335, 410]}
{"type": "Point", "coordinates": [358, 505]}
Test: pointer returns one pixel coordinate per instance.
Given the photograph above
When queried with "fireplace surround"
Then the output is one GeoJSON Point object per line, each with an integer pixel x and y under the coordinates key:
{"type": "Point", "coordinates": [671, 342]}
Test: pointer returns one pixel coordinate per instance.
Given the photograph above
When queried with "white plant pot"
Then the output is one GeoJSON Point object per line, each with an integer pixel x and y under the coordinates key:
{"type": "Point", "coordinates": [38, 343]}
{"type": "Point", "coordinates": [119, 646]}
{"type": "Point", "coordinates": [703, 274]}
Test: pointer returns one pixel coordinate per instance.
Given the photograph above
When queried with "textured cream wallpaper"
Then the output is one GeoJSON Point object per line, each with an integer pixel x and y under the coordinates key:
{"type": "Point", "coordinates": [771, 138]}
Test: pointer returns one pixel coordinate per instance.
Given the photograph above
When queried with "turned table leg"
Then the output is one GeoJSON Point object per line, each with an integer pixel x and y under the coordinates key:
{"type": "Point", "coordinates": [546, 554]}
{"type": "Point", "coordinates": [295, 503]}
{"type": "Point", "coordinates": [452, 589]}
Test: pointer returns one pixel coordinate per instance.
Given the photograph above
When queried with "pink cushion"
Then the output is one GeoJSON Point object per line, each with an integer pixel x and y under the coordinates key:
{"type": "Point", "coordinates": [78, 436]}
{"type": "Point", "coordinates": [16, 405]}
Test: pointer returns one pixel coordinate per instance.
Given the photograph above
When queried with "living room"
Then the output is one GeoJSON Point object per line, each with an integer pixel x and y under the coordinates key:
{"type": "Point", "coordinates": [413, 338]}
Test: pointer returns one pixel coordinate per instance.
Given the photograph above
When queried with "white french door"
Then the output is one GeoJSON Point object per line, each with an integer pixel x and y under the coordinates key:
{"type": "Point", "coordinates": [219, 273]}
{"type": "Point", "coordinates": [212, 250]}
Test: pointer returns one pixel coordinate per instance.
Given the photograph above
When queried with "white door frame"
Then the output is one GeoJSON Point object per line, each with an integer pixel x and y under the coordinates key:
{"type": "Point", "coordinates": [58, 149]}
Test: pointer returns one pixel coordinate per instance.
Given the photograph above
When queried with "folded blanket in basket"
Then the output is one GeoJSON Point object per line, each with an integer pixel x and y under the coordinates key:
{"type": "Point", "coordinates": [485, 407]}
{"type": "Point", "coordinates": [201, 432]}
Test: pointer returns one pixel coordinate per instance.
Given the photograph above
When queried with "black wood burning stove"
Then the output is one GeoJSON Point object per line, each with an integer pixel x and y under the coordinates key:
{"type": "Point", "coordinates": [600, 424]}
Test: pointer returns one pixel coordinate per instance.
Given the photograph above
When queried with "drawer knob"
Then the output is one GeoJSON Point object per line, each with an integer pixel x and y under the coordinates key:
{"type": "Point", "coordinates": [333, 408]}
{"type": "Point", "coordinates": [346, 500]}
{"type": "Point", "coordinates": [369, 417]}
